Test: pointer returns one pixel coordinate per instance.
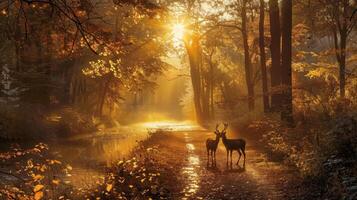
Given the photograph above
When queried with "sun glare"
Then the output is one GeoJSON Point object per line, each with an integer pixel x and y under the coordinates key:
{"type": "Point", "coordinates": [178, 31]}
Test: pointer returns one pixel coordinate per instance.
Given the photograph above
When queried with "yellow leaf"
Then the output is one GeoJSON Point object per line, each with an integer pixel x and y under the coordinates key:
{"type": "Point", "coordinates": [38, 195]}
{"type": "Point", "coordinates": [38, 188]}
{"type": "Point", "coordinates": [109, 187]}
{"type": "Point", "coordinates": [38, 177]}
{"type": "Point", "coordinates": [29, 163]}
{"type": "Point", "coordinates": [43, 168]}
{"type": "Point", "coordinates": [56, 181]}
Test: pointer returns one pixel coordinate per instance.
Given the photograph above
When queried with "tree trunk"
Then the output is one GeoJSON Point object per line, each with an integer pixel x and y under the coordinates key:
{"type": "Point", "coordinates": [275, 55]}
{"type": "Point", "coordinates": [211, 90]}
{"type": "Point", "coordinates": [104, 95]}
{"type": "Point", "coordinates": [263, 59]}
{"type": "Point", "coordinates": [192, 48]}
{"type": "Point", "coordinates": [340, 51]}
{"type": "Point", "coordinates": [287, 108]}
{"type": "Point", "coordinates": [247, 61]}
{"type": "Point", "coordinates": [342, 64]}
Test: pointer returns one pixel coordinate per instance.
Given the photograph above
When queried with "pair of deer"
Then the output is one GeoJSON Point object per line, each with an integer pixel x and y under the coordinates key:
{"type": "Point", "coordinates": [230, 144]}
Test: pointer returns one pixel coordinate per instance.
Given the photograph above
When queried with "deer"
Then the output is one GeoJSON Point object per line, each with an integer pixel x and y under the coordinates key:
{"type": "Point", "coordinates": [211, 145]}
{"type": "Point", "coordinates": [233, 145]}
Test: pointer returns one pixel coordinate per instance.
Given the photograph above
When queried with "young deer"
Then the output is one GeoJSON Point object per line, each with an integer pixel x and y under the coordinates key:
{"type": "Point", "coordinates": [233, 145]}
{"type": "Point", "coordinates": [211, 146]}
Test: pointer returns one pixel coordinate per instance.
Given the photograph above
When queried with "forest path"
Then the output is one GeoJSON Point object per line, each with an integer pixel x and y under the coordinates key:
{"type": "Point", "coordinates": [260, 179]}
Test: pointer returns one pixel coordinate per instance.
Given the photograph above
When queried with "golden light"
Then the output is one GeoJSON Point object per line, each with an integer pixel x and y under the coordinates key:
{"type": "Point", "coordinates": [178, 32]}
{"type": "Point", "coordinates": [170, 125]}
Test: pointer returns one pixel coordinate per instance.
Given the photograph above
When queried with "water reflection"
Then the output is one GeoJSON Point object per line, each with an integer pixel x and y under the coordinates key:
{"type": "Point", "coordinates": [171, 125]}
{"type": "Point", "coordinates": [102, 148]}
{"type": "Point", "coordinates": [190, 170]}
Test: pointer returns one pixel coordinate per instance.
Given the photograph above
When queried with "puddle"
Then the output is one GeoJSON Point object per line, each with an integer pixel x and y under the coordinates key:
{"type": "Point", "coordinates": [189, 172]}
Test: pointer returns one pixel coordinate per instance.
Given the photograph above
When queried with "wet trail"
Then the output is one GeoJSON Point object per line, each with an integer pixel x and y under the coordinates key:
{"type": "Point", "coordinates": [189, 171]}
{"type": "Point", "coordinates": [259, 180]}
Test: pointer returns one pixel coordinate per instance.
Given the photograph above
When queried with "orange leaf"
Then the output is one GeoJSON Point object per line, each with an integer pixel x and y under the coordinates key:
{"type": "Point", "coordinates": [38, 188]}
{"type": "Point", "coordinates": [38, 195]}
{"type": "Point", "coordinates": [56, 181]}
{"type": "Point", "coordinates": [109, 187]}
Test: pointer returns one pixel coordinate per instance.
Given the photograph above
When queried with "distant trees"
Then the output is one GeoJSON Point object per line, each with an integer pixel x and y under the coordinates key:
{"type": "Point", "coordinates": [338, 16]}
{"type": "Point", "coordinates": [202, 71]}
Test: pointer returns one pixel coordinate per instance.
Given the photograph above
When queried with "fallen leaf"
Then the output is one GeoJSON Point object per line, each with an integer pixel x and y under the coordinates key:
{"type": "Point", "coordinates": [109, 187]}
{"type": "Point", "coordinates": [38, 195]}
{"type": "Point", "coordinates": [56, 181]}
{"type": "Point", "coordinates": [43, 168]}
{"type": "Point", "coordinates": [38, 188]}
{"type": "Point", "coordinates": [38, 177]}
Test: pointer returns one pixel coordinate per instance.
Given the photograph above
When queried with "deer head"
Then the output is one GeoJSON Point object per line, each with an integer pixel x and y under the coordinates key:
{"type": "Point", "coordinates": [223, 132]}
{"type": "Point", "coordinates": [217, 132]}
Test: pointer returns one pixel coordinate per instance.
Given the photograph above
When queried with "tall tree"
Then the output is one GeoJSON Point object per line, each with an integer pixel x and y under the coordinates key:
{"type": "Point", "coordinates": [247, 61]}
{"type": "Point", "coordinates": [339, 15]}
{"type": "Point", "coordinates": [262, 57]}
{"type": "Point", "coordinates": [275, 54]}
{"type": "Point", "coordinates": [287, 105]}
{"type": "Point", "coordinates": [194, 55]}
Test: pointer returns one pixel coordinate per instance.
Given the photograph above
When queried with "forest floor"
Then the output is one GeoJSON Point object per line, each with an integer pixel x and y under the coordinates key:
{"type": "Point", "coordinates": [183, 160]}
{"type": "Point", "coordinates": [180, 159]}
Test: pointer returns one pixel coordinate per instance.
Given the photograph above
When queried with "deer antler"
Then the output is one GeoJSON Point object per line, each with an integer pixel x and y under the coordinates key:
{"type": "Point", "coordinates": [225, 127]}
{"type": "Point", "coordinates": [217, 125]}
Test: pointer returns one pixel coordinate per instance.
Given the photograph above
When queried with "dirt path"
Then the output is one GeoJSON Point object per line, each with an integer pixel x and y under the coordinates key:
{"type": "Point", "coordinates": [190, 178]}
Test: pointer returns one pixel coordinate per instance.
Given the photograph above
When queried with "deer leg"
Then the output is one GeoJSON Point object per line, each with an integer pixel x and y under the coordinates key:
{"type": "Point", "coordinates": [214, 157]}
{"type": "Point", "coordinates": [227, 156]}
{"type": "Point", "coordinates": [231, 156]}
{"type": "Point", "coordinates": [207, 156]}
{"type": "Point", "coordinates": [244, 157]}
{"type": "Point", "coordinates": [240, 154]}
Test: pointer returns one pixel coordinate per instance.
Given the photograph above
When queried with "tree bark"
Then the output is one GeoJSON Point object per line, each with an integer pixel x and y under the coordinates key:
{"type": "Point", "coordinates": [247, 61]}
{"type": "Point", "coordinates": [211, 89]}
{"type": "Point", "coordinates": [275, 55]}
{"type": "Point", "coordinates": [340, 49]}
{"type": "Point", "coordinates": [104, 95]}
{"type": "Point", "coordinates": [263, 58]}
{"type": "Point", "coordinates": [192, 48]}
{"type": "Point", "coordinates": [342, 64]}
{"type": "Point", "coordinates": [287, 108]}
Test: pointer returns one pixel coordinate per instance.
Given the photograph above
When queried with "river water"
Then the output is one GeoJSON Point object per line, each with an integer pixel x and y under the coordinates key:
{"type": "Point", "coordinates": [90, 154]}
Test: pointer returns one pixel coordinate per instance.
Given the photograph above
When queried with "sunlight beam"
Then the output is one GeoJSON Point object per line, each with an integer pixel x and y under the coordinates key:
{"type": "Point", "coordinates": [178, 32]}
